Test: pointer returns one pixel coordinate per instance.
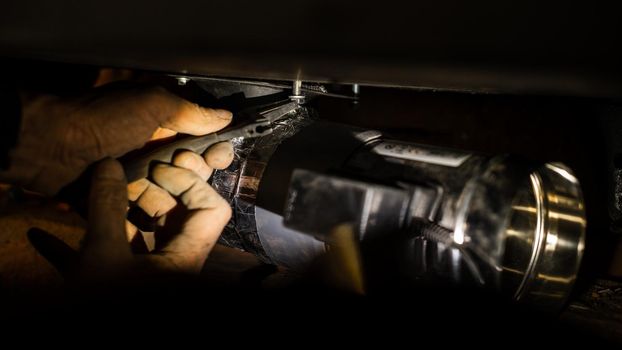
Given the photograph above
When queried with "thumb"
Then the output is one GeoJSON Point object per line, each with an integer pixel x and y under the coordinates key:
{"type": "Point", "coordinates": [105, 242]}
{"type": "Point", "coordinates": [190, 118]}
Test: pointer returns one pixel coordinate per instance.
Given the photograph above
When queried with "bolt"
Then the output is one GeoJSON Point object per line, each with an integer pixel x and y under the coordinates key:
{"type": "Point", "coordinates": [355, 91]}
{"type": "Point", "coordinates": [296, 92]}
{"type": "Point", "coordinates": [296, 87]}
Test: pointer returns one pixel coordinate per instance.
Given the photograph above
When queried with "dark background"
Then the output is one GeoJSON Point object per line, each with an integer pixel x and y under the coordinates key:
{"type": "Point", "coordinates": [562, 48]}
{"type": "Point", "coordinates": [539, 80]}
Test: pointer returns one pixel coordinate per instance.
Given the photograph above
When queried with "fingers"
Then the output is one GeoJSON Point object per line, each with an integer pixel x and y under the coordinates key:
{"type": "Point", "coordinates": [190, 118]}
{"type": "Point", "coordinates": [155, 201]}
{"type": "Point", "coordinates": [194, 120]}
{"type": "Point", "coordinates": [174, 114]}
{"type": "Point", "coordinates": [193, 192]}
{"type": "Point", "coordinates": [106, 241]}
{"type": "Point", "coordinates": [209, 214]}
{"type": "Point", "coordinates": [220, 155]}
{"type": "Point", "coordinates": [192, 161]}
{"type": "Point", "coordinates": [136, 188]}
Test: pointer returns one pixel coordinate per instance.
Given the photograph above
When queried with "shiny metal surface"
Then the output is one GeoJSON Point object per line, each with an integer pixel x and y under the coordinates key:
{"type": "Point", "coordinates": [297, 95]}
{"type": "Point", "coordinates": [558, 238]}
{"type": "Point", "coordinates": [502, 223]}
{"type": "Point", "coordinates": [298, 88]}
{"type": "Point", "coordinates": [526, 228]}
{"type": "Point", "coordinates": [182, 81]}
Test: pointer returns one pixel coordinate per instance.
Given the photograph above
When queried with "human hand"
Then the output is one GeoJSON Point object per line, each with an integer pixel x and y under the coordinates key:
{"type": "Point", "coordinates": [106, 256]}
{"type": "Point", "coordinates": [60, 137]}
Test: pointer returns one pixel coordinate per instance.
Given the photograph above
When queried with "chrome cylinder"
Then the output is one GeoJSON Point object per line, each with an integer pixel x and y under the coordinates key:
{"type": "Point", "coordinates": [500, 222]}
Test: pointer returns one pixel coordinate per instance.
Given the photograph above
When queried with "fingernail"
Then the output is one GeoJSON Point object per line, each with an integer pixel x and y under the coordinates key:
{"type": "Point", "coordinates": [223, 114]}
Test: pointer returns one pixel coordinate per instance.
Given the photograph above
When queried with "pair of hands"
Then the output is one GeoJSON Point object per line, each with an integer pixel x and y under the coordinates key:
{"type": "Point", "coordinates": [61, 137]}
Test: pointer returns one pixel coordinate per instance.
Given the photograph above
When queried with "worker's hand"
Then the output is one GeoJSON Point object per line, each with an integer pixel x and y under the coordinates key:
{"type": "Point", "coordinates": [61, 137]}
{"type": "Point", "coordinates": [197, 220]}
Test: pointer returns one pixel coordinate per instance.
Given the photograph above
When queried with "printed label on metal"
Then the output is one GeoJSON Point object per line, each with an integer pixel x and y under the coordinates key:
{"type": "Point", "coordinates": [420, 153]}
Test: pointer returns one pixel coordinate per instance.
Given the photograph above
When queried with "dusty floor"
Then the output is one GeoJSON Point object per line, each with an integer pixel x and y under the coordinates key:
{"type": "Point", "coordinates": [21, 266]}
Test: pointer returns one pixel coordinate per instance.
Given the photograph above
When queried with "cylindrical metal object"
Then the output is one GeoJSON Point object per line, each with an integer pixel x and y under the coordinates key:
{"type": "Point", "coordinates": [501, 222]}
